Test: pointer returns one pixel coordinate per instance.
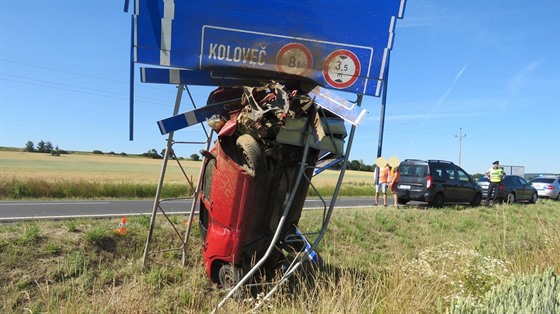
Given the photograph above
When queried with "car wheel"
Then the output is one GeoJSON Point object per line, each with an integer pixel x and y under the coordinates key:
{"type": "Point", "coordinates": [477, 199]}
{"type": "Point", "coordinates": [534, 198]}
{"type": "Point", "coordinates": [253, 154]}
{"type": "Point", "coordinates": [510, 198]}
{"type": "Point", "coordinates": [558, 196]}
{"type": "Point", "coordinates": [229, 276]}
{"type": "Point", "coordinates": [437, 202]}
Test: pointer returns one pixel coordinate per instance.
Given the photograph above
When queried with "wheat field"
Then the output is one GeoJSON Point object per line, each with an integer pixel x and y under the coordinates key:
{"type": "Point", "coordinates": [118, 168]}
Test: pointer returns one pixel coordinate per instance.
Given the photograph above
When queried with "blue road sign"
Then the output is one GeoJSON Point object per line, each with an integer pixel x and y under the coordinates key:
{"type": "Point", "coordinates": [342, 45]}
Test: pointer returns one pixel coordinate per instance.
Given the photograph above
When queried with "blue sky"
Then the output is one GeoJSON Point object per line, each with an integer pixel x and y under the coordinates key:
{"type": "Point", "coordinates": [491, 68]}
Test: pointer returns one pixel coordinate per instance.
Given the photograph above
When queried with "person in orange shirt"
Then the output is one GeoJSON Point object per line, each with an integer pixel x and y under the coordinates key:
{"type": "Point", "coordinates": [394, 178]}
{"type": "Point", "coordinates": [381, 184]}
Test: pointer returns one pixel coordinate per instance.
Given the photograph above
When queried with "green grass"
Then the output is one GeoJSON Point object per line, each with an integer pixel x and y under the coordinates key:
{"type": "Point", "coordinates": [385, 260]}
{"type": "Point", "coordinates": [44, 189]}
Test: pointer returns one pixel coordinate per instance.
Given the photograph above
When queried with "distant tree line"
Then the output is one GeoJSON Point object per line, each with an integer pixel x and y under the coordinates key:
{"type": "Point", "coordinates": [43, 147]}
{"type": "Point", "coordinates": [357, 165]}
{"type": "Point", "coordinates": [47, 147]}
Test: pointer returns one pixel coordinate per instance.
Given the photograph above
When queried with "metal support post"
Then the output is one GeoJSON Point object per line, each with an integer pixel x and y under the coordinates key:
{"type": "Point", "coordinates": [161, 178]}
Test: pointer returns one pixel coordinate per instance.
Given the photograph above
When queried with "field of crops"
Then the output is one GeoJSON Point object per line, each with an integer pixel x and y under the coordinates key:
{"type": "Point", "coordinates": [35, 175]}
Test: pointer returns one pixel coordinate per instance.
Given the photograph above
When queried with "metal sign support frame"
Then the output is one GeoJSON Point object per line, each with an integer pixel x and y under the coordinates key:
{"type": "Point", "coordinates": [157, 200]}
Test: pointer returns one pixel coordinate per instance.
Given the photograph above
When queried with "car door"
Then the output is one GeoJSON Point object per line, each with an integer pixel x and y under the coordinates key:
{"type": "Point", "coordinates": [465, 188]}
{"type": "Point", "coordinates": [517, 188]}
{"type": "Point", "coordinates": [526, 189]}
{"type": "Point", "coordinates": [450, 183]}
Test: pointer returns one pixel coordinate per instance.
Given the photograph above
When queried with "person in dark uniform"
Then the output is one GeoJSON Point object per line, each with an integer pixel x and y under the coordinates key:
{"type": "Point", "coordinates": [495, 175]}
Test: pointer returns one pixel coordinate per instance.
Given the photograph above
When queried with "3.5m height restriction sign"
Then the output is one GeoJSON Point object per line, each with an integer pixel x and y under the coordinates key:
{"type": "Point", "coordinates": [341, 69]}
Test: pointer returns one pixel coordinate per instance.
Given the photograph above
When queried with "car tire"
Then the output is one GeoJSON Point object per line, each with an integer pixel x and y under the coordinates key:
{"type": "Point", "coordinates": [477, 199]}
{"type": "Point", "coordinates": [534, 198]}
{"type": "Point", "coordinates": [402, 201]}
{"type": "Point", "coordinates": [229, 276]}
{"type": "Point", "coordinates": [510, 198]}
{"type": "Point", "coordinates": [558, 196]}
{"type": "Point", "coordinates": [437, 201]}
{"type": "Point", "coordinates": [253, 154]}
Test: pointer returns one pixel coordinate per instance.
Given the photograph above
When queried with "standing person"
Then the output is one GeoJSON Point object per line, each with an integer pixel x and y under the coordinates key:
{"type": "Point", "coordinates": [495, 175]}
{"type": "Point", "coordinates": [381, 184]}
{"type": "Point", "coordinates": [394, 178]}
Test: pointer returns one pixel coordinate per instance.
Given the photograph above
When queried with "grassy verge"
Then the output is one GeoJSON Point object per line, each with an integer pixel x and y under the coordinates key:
{"type": "Point", "coordinates": [60, 189]}
{"type": "Point", "coordinates": [378, 260]}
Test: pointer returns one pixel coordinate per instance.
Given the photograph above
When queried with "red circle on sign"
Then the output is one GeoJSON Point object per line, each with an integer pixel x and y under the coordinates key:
{"type": "Point", "coordinates": [341, 68]}
{"type": "Point", "coordinates": [294, 58]}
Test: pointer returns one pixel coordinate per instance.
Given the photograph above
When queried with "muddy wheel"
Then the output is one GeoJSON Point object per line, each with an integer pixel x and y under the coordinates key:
{"type": "Point", "coordinates": [229, 276]}
{"type": "Point", "coordinates": [253, 154]}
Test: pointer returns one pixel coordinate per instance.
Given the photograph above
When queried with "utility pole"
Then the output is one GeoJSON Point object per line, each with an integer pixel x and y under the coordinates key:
{"type": "Point", "coordinates": [460, 137]}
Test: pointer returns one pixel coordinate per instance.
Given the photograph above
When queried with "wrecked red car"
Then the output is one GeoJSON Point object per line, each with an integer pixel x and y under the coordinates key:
{"type": "Point", "coordinates": [250, 178]}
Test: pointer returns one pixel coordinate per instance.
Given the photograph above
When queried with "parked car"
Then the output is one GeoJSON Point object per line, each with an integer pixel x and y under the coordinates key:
{"type": "Point", "coordinates": [513, 189]}
{"type": "Point", "coordinates": [547, 187]}
{"type": "Point", "coordinates": [437, 182]}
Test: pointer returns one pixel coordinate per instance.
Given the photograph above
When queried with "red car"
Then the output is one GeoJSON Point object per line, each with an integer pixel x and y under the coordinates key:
{"type": "Point", "coordinates": [250, 175]}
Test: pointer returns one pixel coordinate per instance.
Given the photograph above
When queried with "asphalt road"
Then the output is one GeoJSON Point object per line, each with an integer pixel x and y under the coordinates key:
{"type": "Point", "coordinates": [29, 210]}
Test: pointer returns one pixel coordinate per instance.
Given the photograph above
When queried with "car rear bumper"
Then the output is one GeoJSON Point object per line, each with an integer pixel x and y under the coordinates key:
{"type": "Point", "coordinates": [547, 193]}
{"type": "Point", "coordinates": [410, 195]}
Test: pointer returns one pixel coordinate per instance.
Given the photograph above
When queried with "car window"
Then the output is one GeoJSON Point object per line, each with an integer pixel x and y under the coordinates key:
{"type": "Point", "coordinates": [413, 170]}
{"type": "Point", "coordinates": [208, 176]}
{"type": "Point", "coordinates": [463, 176]}
{"type": "Point", "coordinates": [542, 180]}
{"type": "Point", "coordinates": [522, 181]}
{"type": "Point", "coordinates": [449, 172]}
{"type": "Point", "coordinates": [437, 171]}
{"type": "Point", "coordinates": [443, 171]}
{"type": "Point", "coordinates": [515, 181]}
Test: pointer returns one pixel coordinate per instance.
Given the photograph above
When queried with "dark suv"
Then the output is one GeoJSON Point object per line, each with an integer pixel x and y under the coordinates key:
{"type": "Point", "coordinates": [437, 182]}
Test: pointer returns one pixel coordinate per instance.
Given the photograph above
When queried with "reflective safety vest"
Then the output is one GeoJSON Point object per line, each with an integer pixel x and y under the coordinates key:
{"type": "Point", "coordinates": [496, 174]}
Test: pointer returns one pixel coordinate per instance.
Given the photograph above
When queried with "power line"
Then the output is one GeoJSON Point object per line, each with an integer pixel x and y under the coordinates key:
{"type": "Point", "coordinates": [150, 86]}
{"type": "Point", "coordinates": [124, 96]}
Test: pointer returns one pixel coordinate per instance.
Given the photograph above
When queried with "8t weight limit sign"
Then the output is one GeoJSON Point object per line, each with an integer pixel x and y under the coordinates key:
{"type": "Point", "coordinates": [294, 58]}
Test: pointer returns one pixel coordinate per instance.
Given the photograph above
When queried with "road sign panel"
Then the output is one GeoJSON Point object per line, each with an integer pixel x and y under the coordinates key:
{"type": "Point", "coordinates": [242, 37]}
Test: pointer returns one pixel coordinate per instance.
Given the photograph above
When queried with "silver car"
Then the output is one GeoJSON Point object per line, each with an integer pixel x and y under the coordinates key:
{"type": "Point", "coordinates": [547, 187]}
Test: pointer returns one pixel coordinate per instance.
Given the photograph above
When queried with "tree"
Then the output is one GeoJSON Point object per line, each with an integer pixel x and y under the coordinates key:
{"type": "Point", "coordinates": [195, 157]}
{"type": "Point", "coordinates": [55, 152]}
{"type": "Point", "coordinates": [29, 147]}
{"type": "Point", "coordinates": [152, 153]}
{"type": "Point", "coordinates": [41, 146]}
{"type": "Point", "coordinates": [355, 165]}
{"type": "Point", "coordinates": [48, 147]}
